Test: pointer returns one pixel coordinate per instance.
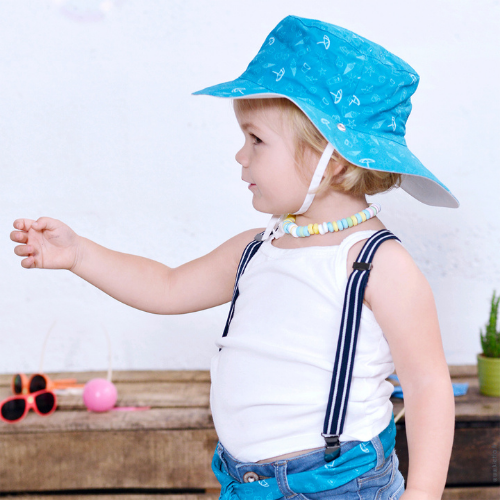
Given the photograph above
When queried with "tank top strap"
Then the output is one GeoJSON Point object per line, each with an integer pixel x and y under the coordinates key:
{"type": "Point", "coordinates": [341, 258]}
{"type": "Point", "coordinates": [248, 253]}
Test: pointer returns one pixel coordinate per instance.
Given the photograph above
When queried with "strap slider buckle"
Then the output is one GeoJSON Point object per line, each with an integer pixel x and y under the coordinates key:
{"type": "Point", "coordinates": [362, 266]}
{"type": "Point", "coordinates": [332, 448]}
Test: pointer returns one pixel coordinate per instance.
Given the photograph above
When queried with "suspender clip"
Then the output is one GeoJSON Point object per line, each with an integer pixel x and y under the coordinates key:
{"type": "Point", "coordinates": [332, 448]}
{"type": "Point", "coordinates": [362, 266]}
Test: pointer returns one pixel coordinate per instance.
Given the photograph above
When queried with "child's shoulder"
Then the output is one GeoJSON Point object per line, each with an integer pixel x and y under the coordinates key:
{"type": "Point", "coordinates": [244, 238]}
{"type": "Point", "coordinates": [391, 258]}
{"type": "Point", "coordinates": [232, 249]}
{"type": "Point", "coordinates": [394, 272]}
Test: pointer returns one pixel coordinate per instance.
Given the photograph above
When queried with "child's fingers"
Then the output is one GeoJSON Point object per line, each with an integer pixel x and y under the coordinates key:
{"type": "Point", "coordinates": [23, 224]}
{"type": "Point", "coordinates": [19, 236]}
{"type": "Point", "coordinates": [29, 262]}
{"type": "Point", "coordinates": [23, 250]}
{"type": "Point", "coordinates": [44, 223]}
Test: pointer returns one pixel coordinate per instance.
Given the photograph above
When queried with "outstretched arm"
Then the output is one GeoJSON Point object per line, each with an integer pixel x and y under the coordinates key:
{"type": "Point", "coordinates": [136, 281]}
{"type": "Point", "coordinates": [403, 304]}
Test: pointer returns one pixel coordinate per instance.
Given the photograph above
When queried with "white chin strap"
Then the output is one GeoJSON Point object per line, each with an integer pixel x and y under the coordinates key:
{"type": "Point", "coordinates": [273, 228]}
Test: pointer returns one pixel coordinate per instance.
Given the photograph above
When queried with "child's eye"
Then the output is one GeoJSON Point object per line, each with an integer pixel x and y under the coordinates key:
{"type": "Point", "coordinates": [256, 140]}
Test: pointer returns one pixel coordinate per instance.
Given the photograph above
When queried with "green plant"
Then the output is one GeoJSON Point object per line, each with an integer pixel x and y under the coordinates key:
{"type": "Point", "coordinates": [490, 339]}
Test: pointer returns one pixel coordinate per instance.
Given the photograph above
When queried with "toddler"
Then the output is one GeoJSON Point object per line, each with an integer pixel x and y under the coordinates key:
{"type": "Point", "coordinates": [300, 400]}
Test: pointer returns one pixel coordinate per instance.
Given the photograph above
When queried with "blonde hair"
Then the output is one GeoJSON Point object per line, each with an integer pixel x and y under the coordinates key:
{"type": "Point", "coordinates": [352, 179]}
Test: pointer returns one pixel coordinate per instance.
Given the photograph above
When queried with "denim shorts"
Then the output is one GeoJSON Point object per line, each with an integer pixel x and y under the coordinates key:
{"type": "Point", "coordinates": [383, 482]}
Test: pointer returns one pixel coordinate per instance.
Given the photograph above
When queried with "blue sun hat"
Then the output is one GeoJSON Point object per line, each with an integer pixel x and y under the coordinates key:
{"type": "Point", "coordinates": [354, 91]}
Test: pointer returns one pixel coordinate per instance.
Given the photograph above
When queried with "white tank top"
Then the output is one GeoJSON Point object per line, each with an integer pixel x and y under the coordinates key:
{"type": "Point", "coordinates": [271, 380]}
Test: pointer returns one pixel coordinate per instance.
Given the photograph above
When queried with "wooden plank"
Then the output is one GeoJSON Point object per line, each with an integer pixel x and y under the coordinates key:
{"type": "Point", "coordinates": [462, 371]}
{"type": "Point", "coordinates": [481, 493]}
{"type": "Point", "coordinates": [150, 420]}
{"type": "Point", "coordinates": [485, 493]}
{"type": "Point", "coordinates": [158, 395]}
{"type": "Point", "coordinates": [474, 457]}
{"type": "Point", "coordinates": [104, 496]}
{"type": "Point", "coordinates": [474, 406]}
{"type": "Point", "coordinates": [137, 376]}
{"type": "Point", "coordinates": [78, 460]}
{"type": "Point", "coordinates": [132, 376]}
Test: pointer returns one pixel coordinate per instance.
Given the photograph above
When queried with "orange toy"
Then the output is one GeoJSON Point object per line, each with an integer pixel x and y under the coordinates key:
{"type": "Point", "coordinates": [38, 382]}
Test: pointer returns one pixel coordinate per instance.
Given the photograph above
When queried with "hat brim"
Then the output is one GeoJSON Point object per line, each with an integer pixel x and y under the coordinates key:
{"type": "Point", "coordinates": [360, 148]}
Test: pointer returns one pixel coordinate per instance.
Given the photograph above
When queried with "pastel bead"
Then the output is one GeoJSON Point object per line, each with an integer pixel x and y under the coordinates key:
{"type": "Point", "coordinates": [290, 226]}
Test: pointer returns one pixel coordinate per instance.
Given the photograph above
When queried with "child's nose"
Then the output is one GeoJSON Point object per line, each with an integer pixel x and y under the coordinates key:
{"type": "Point", "coordinates": [240, 157]}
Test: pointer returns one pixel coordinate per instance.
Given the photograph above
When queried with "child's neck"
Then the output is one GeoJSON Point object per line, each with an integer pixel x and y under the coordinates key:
{"type": "Point", "coordinates": [328, 208]}
{"type": "Point", "coordinates": [331, 207]}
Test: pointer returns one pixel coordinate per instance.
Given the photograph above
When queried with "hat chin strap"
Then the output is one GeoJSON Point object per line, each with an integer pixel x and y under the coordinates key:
{"type": "Point", "coordinates": [274, 229]}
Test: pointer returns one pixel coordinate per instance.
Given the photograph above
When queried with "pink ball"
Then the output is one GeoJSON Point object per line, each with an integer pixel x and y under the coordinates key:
{"type": "Point", "coordinates": [99, 395]}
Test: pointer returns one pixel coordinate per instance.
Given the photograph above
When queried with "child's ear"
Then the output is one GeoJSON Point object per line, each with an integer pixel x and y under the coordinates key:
{"type": "Point", "coordinates": [334, 169]}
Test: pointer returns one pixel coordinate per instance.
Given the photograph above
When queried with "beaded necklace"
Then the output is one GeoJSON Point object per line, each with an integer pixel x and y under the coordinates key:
{"type": "Point", "coordinates": [288, 225]}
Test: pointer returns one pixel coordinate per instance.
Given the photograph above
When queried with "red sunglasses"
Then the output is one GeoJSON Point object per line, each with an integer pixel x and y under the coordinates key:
{"type": "Point", "coordinates": [15, 408]}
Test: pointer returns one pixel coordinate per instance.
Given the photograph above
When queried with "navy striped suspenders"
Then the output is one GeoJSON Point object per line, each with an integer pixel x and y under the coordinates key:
{"type": "Point", "coordinates": [346, 345]}
{"type": "Point", "coordinates": [348, 335]}
{"type": "Point", "coordinates": [248, 253]}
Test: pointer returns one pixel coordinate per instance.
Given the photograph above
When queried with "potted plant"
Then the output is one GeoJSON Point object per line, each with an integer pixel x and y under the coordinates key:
{"type": "Point", "coordinates": [488, 362]}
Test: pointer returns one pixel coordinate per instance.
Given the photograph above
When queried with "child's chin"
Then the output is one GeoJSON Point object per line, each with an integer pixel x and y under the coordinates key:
{"type": "Point", "coordinates": [261, 207]}
{"type": "Point", "coordinates": [268, 208]}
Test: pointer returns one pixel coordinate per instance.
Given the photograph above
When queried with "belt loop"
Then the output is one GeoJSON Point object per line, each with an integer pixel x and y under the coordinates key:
{"type": "Point", "coordinates": [220, 452]}
{"type": "Point", "coordinates": [379, 448]}
{"type": "Point", "coordinates": [280, 470]}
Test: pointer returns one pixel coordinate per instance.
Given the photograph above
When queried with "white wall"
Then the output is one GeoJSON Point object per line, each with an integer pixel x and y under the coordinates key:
{"type": "Point", "coordinates": [98, 129]}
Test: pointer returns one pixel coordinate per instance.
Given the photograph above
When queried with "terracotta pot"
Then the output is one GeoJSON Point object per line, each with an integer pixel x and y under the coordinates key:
{"type": "Point", "coordinates": [488, 370]}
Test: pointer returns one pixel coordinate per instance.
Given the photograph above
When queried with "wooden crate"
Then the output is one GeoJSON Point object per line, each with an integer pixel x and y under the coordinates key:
{"type": "Point", "coordinates": [474, 459]}
{"type": "Point", "coordinates": [166, 452]}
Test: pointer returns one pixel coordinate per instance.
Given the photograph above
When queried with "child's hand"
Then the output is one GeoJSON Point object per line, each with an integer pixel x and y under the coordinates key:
{"type": "Point", "coordinates": [46, 243]}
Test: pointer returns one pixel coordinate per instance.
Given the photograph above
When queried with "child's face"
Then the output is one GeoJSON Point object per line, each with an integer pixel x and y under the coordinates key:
{"type": "Point", "coordinates": [268, 165]}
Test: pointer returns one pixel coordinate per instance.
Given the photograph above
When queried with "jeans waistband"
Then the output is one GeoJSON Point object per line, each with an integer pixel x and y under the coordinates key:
{"type": "Point", "coordinates": [382, 446]}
